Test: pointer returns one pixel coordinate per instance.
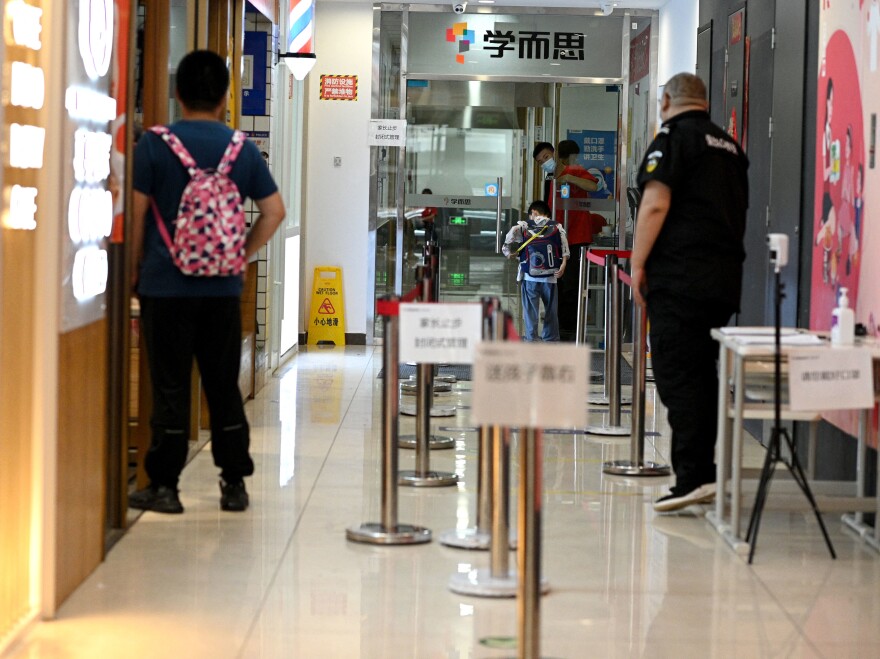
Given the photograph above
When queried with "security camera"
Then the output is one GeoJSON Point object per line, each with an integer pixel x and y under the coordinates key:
{"type": "Point", "coordinates": [459, 7]}
{"type": "Point", "coordinates": [606, 8]}
{"type": "Point", "coordinates": [778, 245]}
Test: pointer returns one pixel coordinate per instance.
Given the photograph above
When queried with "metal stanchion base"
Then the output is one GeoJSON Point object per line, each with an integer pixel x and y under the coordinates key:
{"type": "Point", "coordinates": [630, 468]}
{"type": "Point", "coordinates": [595, 399]}
{"type": "Point", "coordinates": [481, 583]}
{"type": "Point", "coordinates": [472, 538]}
{"type": "Point", "coordinates": [439, 388]}
{"type": "Point", "coordinates": [609, 431]}
{"type": "Point", "coordinates": [409, 409]}
{"type": "Point", "coordinates": [434, 442]}
{"type": "Point", "coordinates": [430, 479]}
{"type": "Point", "coordinates": [374, 533]}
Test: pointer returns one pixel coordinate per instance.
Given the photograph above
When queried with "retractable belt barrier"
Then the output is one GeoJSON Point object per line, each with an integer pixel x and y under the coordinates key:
{"type": "Point", "coordinates": [611, 395]}
{"type": "Point", "coordinates": [389, 531]}
{"type": "Point", "coordinates": [422, 476]}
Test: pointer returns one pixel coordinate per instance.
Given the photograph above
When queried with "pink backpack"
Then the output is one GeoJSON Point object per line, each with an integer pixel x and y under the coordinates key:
{"type": "Point", "coordinates": [210, 229]}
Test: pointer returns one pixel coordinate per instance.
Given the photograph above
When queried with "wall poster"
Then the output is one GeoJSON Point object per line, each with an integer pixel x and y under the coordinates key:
{"type": "Point", "coordinates": [845, 188]}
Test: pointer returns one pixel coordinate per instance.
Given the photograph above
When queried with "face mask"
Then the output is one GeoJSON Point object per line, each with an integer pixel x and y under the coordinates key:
{"type": "Point", "coordinates": [549, 166]}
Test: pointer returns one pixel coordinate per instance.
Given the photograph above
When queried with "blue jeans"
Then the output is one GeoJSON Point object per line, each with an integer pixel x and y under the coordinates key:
{"type": "Point", "coordinates": [532, 293]}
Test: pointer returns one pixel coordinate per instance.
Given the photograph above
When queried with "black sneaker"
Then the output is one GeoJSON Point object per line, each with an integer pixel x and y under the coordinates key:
{"type": "Point", "coordinates": [233, 496]}
{"type": "Point", "coordinates": [159, 499]}
{"type": "Point", "coordinates": [702, 494]}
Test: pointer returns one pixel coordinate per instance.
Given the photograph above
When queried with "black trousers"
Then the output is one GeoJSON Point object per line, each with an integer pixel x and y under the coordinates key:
{"type": "Point", "coordinates": [175, 331]}
{"type": "Point", "coordinates": [684, 357]}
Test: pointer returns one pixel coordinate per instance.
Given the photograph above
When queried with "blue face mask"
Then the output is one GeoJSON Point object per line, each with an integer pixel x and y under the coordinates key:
{"type": "Point", "coordinates": [549, 166]}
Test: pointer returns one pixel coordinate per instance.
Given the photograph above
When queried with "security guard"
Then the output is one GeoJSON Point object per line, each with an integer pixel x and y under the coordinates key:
{"type": "Point", "coordinates": [687, 268]}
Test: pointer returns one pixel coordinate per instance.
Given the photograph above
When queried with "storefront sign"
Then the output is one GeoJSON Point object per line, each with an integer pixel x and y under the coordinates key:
{"type": "Point", "coordinates": [534, 385]}
{"type": "Point", "coordinates": [521, 45]}
{"type": "Point", "coordinates": [253, 79]}
{"type": "Point", "coordinates": [88, 150]}
{"type": "Point", "coordinates": [24, 137]}
{"type": "Point", "coordinates": [339, 88]}
{"type": "Point", "coordinates": [830, 379]}
{"type": "Point", "coordinates": [439, 333]}
{"type": "Point", "coordinates": [387, 132]}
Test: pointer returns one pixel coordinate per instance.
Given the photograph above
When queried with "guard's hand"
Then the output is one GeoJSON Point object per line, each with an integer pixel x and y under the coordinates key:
{"type": "Point", "coordinates": [639, 286]}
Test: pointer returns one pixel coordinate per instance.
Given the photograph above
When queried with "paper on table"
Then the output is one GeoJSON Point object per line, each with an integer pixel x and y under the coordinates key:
{"type": "Point", "coordinates": [758, 331]}
{"type": "Point", "coordinates": [789, 340]}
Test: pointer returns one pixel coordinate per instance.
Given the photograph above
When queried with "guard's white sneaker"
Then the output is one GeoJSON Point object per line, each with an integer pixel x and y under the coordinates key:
{"type": "Point", "coordinates": [703, 494]}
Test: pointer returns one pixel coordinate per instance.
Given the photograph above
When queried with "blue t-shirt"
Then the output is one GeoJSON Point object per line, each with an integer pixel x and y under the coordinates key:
{"type": "Point", "coordinates": [160, 174]}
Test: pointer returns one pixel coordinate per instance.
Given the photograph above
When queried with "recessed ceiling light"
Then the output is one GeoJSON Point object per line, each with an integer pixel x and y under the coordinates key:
{"type": "Point", "coordinates": [485, 2]}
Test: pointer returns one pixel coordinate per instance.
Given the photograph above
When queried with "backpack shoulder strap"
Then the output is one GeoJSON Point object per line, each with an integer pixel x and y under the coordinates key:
{"type": "Point", "coordinates": [177, 148]}
{"type": "Point", "coordinates": [535, 234]}
{"type": "Point", "coordinates": [231, 153]}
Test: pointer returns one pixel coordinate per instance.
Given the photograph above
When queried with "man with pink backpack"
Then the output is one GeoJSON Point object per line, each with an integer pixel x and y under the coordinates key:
{"type": "Point", "coordinates": [191, 247]}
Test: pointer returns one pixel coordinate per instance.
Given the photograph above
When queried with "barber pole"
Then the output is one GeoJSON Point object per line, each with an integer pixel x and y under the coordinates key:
{"type": "Point", "coordinates": [300, 56]}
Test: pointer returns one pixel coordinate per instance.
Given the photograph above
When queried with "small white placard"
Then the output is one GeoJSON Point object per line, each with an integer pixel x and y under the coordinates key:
{"type": "Point", "coordinates": [439, 333]}
{"type": "Point", "coordinates": [387, 132]}
{"type": "Point", "coordinates": [533, 385]}
{"type": "Point", "coordinates": [832, 379]}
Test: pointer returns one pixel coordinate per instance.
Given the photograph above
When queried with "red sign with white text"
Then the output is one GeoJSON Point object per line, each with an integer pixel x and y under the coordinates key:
{"type": "Point", "coordinates": [339, 88]}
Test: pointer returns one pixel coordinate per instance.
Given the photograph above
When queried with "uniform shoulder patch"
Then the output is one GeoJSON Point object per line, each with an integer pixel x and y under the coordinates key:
{"type": "Point", "coordinates": [652, 160]}
{"type": "Point", "coordinates": [664, 130]}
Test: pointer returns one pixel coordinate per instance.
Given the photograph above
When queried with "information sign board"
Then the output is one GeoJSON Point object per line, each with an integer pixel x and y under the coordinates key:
{"type": "Point", "coordinates": [535, 385]}
{"type": "Point", "coordinates": [830, 379]}
{"type": "Point", "coordinates": [439, 333]}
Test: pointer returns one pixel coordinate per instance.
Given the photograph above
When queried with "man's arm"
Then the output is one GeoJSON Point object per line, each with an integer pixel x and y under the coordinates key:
{"type": "Point", "coordinates": [652, 214]}
{"type": "Point", "coordinates": [587, 184]}
{"type": "Point", "coordinates": [272, 212]}
{"type": "Point", "coordinates": [140, 209]}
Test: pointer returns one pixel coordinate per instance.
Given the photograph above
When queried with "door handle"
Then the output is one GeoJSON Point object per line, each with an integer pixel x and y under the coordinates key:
{"type": "Point", "coordinates": [498, 212]}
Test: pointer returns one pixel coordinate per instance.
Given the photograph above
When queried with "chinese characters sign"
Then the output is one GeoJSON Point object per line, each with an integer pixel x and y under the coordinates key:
{"type": "Point", "coordinates": [520, 44]}
{"type": "Point", "coordinates": [439, 333]}
{"type": "Point", "coordinates": [598, 155]}
{"type": "Point", "coordinates": [493, 44]}
{"type": "Point", "coordinates": [339, 88]}
{"type": "Point", "coordinates": [830, 379]}
{"type": "Point", "coordinates": [535, 385]}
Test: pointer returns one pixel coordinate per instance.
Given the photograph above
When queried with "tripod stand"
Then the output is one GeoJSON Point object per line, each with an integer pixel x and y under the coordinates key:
{"type": "Point", "coordinates": [774, 448]}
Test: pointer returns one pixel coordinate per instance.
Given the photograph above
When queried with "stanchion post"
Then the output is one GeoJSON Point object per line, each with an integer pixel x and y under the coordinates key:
{"type": "Point", "coordinates": [479, 536]}
{"type": "Point", "coordinates": [612, 394]}
{"type": "Point", "coordinates": [389, 531]}
{"type": "Point", "coordinates": [422, 476]}
{"type": "Point", "coordinates": [612, 343]}
{"type": "Point", "coordinates": [529, 555]}
{"type": "Point", "coordinates": [580, 334]}
{"type": "Point", "coordinates": [636, 465]}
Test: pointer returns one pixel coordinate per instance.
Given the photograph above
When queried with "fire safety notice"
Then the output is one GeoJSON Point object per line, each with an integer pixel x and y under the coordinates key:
{"type": "Point", "coordinates": [387, 132]}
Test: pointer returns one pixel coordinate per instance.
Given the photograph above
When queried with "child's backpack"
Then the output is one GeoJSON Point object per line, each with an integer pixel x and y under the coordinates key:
{"type": "Point", "coordinates": [540, 255]}
{"type": "Point", "coordinates": [210, 230]}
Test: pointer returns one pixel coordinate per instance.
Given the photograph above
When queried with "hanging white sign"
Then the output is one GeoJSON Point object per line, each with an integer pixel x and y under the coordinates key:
{"type": "Point", "coordinates": [534, 385]}
{"type": "Point", "coordinates": [387, 132]}
{"type": "Point", "coordinates": [830, 379]}
{"type": "Point", "coordinates": [439, 333]}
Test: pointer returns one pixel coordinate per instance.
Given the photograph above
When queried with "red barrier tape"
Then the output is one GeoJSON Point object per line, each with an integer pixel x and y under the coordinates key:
{"type": "Point", "coordinates": [388, 307]}
{"type": "Point", "coordinates": [597, 256]}
{"type": "Point", "coordinates": [411, 295]}
{"type": "Point", "coordinates": [512, 334]}
{"type": "Point", "coordinates": [625, 278]}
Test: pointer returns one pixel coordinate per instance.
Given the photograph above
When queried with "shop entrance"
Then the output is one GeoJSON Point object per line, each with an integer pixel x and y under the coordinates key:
{"type": "Point", "coordinates": [471, 126]}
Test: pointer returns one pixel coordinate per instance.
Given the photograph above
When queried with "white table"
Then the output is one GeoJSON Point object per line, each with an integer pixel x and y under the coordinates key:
{"type": "Point", "coordinates": [741, 358]}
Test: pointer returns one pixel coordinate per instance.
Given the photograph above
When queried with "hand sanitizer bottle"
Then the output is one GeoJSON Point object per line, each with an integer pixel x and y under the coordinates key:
{"type": "Point", "coordinates": [842, 322]}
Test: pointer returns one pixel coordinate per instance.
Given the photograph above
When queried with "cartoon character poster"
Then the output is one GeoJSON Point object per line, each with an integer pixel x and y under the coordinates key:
{"type": "Point", "coordinates": [845, 191]}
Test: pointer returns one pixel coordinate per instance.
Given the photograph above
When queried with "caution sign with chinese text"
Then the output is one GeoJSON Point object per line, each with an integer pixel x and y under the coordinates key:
{"type": "Point", "coordinates": [327, 318]}
{"type": "Point", "coordinates": [339, 88]}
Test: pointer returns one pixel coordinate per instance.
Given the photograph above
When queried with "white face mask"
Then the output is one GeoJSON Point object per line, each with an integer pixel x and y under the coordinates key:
{"type": "Point", "coordinates": [549, 165]}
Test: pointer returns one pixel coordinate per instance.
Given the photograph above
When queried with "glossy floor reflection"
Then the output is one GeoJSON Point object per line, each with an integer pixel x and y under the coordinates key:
{"type": "Point", "coordinates": [282, 581]}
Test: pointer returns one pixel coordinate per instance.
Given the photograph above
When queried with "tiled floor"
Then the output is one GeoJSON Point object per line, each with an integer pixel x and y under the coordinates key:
{"type": "Point", "coordinates": [282, 581]}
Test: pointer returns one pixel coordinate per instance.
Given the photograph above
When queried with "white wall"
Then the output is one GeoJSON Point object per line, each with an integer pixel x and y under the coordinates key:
{"type": "Point", "coordinates": [335, 223]}
{"type": "Point", "coordinates": [678, 38]}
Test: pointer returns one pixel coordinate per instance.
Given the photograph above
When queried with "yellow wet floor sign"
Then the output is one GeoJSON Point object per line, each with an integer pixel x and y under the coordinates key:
{"type": "Point", "coordinates": [327, 319]}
